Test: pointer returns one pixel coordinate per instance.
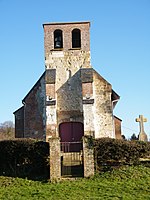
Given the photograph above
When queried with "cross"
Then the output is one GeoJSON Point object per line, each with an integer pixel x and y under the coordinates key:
{"type": "Point", "coordinates": [141, 121]}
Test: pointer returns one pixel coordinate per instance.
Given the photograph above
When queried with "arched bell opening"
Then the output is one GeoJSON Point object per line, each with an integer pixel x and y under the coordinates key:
{"type": "Point", "coordinates": [76, 38]}
{"type": "Point", "coordinates": [58, 39]}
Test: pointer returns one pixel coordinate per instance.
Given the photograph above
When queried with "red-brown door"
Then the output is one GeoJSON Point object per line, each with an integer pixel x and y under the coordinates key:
{"type": "Point", "coordinates": [71, 131]}
{"type": "Point", "coordinates": [71, 134]}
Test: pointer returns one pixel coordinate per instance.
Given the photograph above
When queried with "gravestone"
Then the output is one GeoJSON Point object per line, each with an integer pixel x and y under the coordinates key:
{"type": "Point", "coordinates": [142, 134]}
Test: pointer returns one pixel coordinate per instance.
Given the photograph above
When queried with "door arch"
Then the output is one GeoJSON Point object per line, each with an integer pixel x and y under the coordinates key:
{"type": "Point", "coordinates": [71, 131]}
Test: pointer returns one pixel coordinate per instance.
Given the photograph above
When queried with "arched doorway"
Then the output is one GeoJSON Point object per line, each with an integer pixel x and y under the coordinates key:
{"type": "Point", "coordinates": [71, 131]}
{"type": "Point", "coordinates": [71, 134]}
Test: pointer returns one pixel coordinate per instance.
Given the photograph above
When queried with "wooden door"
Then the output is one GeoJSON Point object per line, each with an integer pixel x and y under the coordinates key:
{"type": "Point", "coordinates": [71, 131]}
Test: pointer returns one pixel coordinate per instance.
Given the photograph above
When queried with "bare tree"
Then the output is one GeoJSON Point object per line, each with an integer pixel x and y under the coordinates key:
{"type": "Point", "coordinates": [7, 130]}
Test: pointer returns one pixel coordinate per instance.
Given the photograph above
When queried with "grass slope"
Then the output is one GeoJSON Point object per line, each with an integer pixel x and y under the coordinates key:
{"type": "Point", "coordinates": [127, 184]}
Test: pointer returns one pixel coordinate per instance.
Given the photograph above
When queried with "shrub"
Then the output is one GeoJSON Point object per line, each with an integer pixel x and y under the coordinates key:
{"type": "Point", "coordinates": [110, 152]}
{"type": "Point", "coordinates": [24, 158]}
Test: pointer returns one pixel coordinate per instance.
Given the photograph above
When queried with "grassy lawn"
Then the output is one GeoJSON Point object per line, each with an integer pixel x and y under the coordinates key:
{"type": "Point", "coordinates": [126, 184]}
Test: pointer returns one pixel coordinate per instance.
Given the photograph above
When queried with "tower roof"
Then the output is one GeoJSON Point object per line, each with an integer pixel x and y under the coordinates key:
{"type": "Point", "coordinates": [65, 23]}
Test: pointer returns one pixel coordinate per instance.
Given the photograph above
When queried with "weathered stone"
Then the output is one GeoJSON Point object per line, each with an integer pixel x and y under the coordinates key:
{"type": "Point", "coordinates": [19, 122]}
{"type": "Point", "coordinates": [117, 127]}
{"type": "Point", "coordinates": [103, 111]}
{"type": "Point", "coordinates": [33, 115]}
{"type": "Point", "coordinates": [88, 156]}
{"type": "Point", "coordinates": [142, 134]}
{"type": "Point", "coordinates": [55, 162]}
{"type": "Point", "coordinates": [50, 76]}
{"type": "Point", "coordinates": [69, 91]}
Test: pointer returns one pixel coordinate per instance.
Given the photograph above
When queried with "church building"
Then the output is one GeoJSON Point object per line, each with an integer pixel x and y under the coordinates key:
{"type": "Point", "coordinates": [70, 99]}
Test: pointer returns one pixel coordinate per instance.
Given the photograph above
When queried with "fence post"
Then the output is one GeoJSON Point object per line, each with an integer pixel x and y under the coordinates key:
{"type": "Point", "coordinates": [88, 156]}
{"type": "Point", "coordinates": [55, 162]}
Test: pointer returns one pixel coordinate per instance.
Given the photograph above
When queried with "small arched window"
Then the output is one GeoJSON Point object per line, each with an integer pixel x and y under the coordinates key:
{"type": "Point", "coordinates": [58, 39]}
{"type": "Point", "coordinates": [76, 38]}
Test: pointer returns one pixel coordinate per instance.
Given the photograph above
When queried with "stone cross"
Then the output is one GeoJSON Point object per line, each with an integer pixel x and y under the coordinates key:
{"type": "Point", "coordinates": [142, 134]}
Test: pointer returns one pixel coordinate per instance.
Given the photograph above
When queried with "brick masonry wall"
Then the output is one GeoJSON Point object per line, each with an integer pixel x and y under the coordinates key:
{"type": "Point", "coordinates": [67, 35]}
{"type": "Point", "coordinates": [117, 123]}
{"type": "Point", "coordinates": [50, 79]}
{"type": "Point", "coordinates": [87, 90]}
{"type": "Point", "coordinates": [19, 123]}
{"type": "Point", "coordinates": [66, 61]}
{"type": "Point", "coordinates": [35, 111]}
{"type": "Point", "coordinates": [50, 91]}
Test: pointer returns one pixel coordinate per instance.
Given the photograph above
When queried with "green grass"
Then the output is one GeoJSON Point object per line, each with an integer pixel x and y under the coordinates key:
{"type": "Point", "coordinates": [130, 183]}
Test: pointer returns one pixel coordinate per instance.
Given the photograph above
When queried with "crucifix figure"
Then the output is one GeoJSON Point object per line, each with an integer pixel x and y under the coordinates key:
{"type": "Point", "coordinates": [142, 134]}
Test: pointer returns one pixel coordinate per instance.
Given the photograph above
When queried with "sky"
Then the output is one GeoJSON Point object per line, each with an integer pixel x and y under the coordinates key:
{"type": "Point", "coordinates": [120, 50]}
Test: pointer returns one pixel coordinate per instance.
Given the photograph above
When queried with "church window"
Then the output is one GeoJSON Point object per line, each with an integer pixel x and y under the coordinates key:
{"type": "Point", "coordinates": [58, 39]}
{"type": "Point", "coordinates": [76, 38]}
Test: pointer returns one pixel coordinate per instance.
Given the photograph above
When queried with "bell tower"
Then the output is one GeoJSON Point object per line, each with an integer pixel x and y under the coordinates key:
{"type": "Point", "coordinates": [67, 48]}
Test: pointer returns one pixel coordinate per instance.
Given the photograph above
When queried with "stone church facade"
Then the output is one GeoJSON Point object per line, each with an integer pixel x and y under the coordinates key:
{"type": "Point", "coordinates": [70, 99]}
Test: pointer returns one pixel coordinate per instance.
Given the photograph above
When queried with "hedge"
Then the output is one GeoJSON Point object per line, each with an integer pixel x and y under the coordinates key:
{"type": "Point", "coordinates": [24, 158]}
{"type": "Point", "coordinates": [109, 152]}
{"type": "Point", "coordinates": [27, 158]}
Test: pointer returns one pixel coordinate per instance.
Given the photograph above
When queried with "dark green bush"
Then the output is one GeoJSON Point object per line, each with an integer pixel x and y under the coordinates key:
{"type": "Point", "coordinates": [109, 152]}
{"type": "Point", "coordinates": [24, 158]}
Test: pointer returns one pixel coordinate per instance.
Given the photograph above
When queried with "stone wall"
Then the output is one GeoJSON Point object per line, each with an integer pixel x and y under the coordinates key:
{"type": "Point", "coordinates": [67, 28]}
{"type": "Point", "coordinates": [34, 111]}
{"type": "Point", "coordinates": [51, 126]}
{"type": "Point", "coordinates": [67, 61]}
{"type": "Point", "coordinates": [88, 156]}
{"type": "Point", "coordinates": [51, 123]}
{"type": "Point", "coordinates": [103, 113]}
{"type": "Point", "coordinates": [55, 161]}
{"type": "Point", "coordinates": [69, 100]}
{"type": "Point", "coordinates": [88, 100]}
{"type": "Point", "coordinates": [88, 119]}
{"type": "Point", "coordinates": [117, 123]}
{"type": "Point", "coordinates": [68, 91]}
{"type": "Point", "coordinates": [67, 64]}
{"type": "Point", "coordinates": [19, 122]}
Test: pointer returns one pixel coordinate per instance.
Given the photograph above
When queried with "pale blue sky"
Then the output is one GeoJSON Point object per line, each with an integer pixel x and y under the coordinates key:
{"type": "Point", "coordinates": [120, 50]}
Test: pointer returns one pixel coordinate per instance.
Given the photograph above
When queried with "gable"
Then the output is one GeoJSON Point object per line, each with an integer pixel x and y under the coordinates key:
{"type": "Point", "coordinates": [35, 86]}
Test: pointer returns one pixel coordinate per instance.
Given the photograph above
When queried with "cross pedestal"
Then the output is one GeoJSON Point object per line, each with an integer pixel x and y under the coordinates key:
{"type": "Point", "coordinates": [142, 134]}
